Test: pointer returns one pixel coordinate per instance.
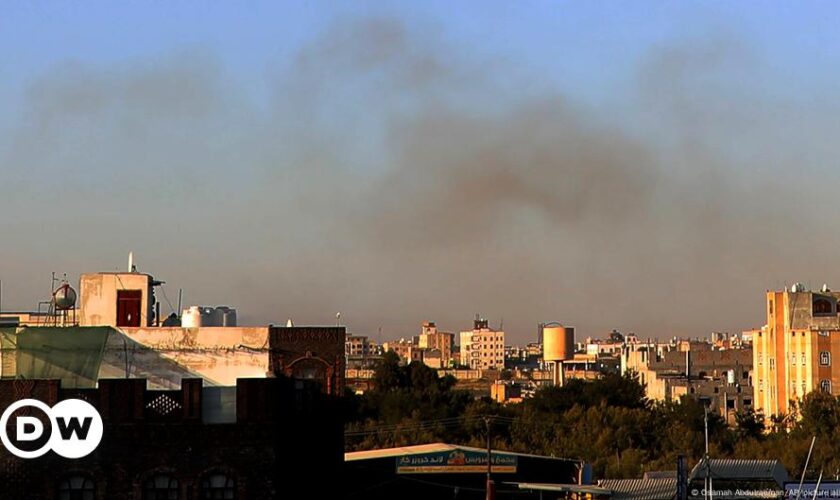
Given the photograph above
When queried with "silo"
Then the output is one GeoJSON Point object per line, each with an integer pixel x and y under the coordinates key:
{"type": "Point", "coordinates": [558, 345]}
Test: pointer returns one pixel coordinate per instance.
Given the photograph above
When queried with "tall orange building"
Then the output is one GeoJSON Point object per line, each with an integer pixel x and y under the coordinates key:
{"type": "Point", "coordinates": [792, 354]}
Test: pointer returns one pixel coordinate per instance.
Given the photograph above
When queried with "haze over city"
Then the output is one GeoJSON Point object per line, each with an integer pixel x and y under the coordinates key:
{"type": "Point", "coordinates": [653, 172]}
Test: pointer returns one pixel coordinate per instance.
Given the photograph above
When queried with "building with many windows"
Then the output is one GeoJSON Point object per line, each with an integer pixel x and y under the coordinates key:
{"type": "Point", "coordinates": [483, 348]}
{"type": "Point", "coordinates": [433, 339]}
{"type": "Point", "coordinates": [793, 354]}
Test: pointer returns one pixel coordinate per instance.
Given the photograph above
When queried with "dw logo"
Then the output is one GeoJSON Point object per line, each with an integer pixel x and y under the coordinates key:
{"type": "Point", "coordinates": [75, 429]}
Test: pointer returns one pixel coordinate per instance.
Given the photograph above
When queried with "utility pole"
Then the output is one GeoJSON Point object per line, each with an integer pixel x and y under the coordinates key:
{"type": "Point", "coordinates": [807, 461]}
{"type": "Point", "coordinates": [708, 481]}
{"type": "Point", "coordinates": [491, 489]}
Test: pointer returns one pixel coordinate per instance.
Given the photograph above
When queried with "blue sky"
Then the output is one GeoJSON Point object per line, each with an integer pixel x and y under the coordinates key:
{"type": "Point", "coordinates": [321, 138]}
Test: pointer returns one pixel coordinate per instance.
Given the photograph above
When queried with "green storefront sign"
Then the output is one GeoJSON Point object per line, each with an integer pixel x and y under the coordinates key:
{"type": "Point", "coordinates": [455, 461]}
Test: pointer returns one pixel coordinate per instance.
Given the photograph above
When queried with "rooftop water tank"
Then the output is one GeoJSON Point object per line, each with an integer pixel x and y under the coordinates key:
{"type": "Point", "coordinates": [191, 317]}
{"type": "Point", "coordinates": [64, 297]}
{"type": "Point", "coordinates": [558, 343]}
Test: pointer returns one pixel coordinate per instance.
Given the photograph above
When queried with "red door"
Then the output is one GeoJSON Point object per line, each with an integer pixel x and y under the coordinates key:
{"type": "Point", "coordinates": [128, 307]}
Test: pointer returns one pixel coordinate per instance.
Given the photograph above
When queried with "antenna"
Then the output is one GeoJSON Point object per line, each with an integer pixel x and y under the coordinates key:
{"type": "Point", "coordinates": [180, 291]}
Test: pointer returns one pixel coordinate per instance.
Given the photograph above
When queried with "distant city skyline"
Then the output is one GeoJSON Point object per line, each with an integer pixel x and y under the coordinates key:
{"type": "Point", "coordinates": [651, 170]}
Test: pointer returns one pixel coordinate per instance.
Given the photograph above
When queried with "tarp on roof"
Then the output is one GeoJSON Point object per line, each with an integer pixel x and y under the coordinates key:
{"type": "Point", "coordinates": [72, 354]}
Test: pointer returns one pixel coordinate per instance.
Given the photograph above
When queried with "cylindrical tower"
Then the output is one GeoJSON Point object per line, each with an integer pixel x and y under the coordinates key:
{"type": "Point", "coordinates": [558, 346]}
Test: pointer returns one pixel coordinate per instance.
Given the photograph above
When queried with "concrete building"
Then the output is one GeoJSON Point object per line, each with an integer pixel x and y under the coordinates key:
{"type": "Point", "coordinates": [117, 299]}
{"type": "Point", "coordinates": [719, 377]}
{"type": "Point", "coordinates": [483, 348]}
{"type": "Point", "coordinates": [185, 443]}
{"type": "Point", "coordinates": [406, 349]}
{"type": "Point", "coordinates": [431, 338]}
{"type": "Point", "coordinates": [794, 352]}
{"type": "Point", "coordinates": [506, 391]}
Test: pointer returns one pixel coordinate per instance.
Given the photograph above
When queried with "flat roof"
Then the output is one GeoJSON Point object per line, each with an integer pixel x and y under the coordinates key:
{"type": "Point", "coordinates": [565, 488]}
{"type": "Point", "coordinates": [433, 448]}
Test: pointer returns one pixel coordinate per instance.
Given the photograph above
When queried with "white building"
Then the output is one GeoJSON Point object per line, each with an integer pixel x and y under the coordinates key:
{"type": "Point", "coordinates": [483, 348]}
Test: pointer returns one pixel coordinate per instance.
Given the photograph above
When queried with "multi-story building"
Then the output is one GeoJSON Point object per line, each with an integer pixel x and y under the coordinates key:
{"type": "Point", "coordinates": [700, 370]}
{"type": "Point", "coordinates": [793, 353]}
{"type": "Point", "coordinates": [431, 338]}
{"type": "Point", "coordinates": [483, 348]}
{"type": "Point", "coordinates": [406, 349]}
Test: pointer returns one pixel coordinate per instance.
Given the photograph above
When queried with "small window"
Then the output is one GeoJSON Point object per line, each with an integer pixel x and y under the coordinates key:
{"type": "Point", "coordinates": [825, 358]}
{"type": "Point", "coordinates": [803, 360]}
{"type": "Point", "coordinates": [825, 385]}
{"type": "Point", "coordinates": [218, 487]}
{"type": "Point", "coordinates": [747, 402]}
{"type": "Point", "coordinates": [76, 488]}
{"type": "Point", "coordinates": [717, 390]}
{"type": "Point", "coordinates": [161, 487]}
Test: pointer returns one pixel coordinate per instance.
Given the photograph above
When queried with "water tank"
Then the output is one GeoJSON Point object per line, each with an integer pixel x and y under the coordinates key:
{"type": "Point", "coordinates": [191, 318]}
{"type": "Point", "coordinates": [65, 297]}
{"type": "Point", "coordinates": [558, 343]}
{"type": "Point", "coordinates": [211, 316]}
{"type": "Point", "coordinates": [228, 316]}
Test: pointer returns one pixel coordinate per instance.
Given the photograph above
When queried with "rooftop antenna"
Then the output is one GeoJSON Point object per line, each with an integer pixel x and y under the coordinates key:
{"type": "Point", "coordinates": [131, 266]}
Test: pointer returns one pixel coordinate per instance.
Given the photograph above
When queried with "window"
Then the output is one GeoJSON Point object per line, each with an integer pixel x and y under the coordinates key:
{"type": "Point", "coordinates": [825, 358]}
{"type": "Point", "coordinates": [161, 487]}
{"type": "Point", "coordinates": [803, 360]}
{"type": "Point", "coordinates": [821, 306]}
{"type": "Point", "coordinates": [747, 402]}
{"type": "Point", "coordinates": [76, 488]}
{"type": "Point", "coordinates": [218, 487]}
{"type": "Point", "coordinates": [825, 385]}
{"type": "Point", "coordinates": [760, 358]}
